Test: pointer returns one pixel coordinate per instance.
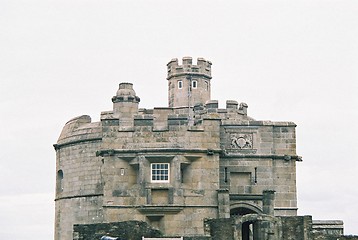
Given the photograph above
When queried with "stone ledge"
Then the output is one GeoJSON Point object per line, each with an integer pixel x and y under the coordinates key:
{"type": "Point", "coordinates": [159, 209]}
{"type": "Point", "coordinates": [105, 152]}
{"type": "Point", "coordinates": [249, 123]}
{"type": "Point", "coordinates": [79, 196]}
{"type": "Point", "coordinates": [227, 154]}
{"type": "Point", "coordinates": [147, 207]}
{"type": "Point", "coordinates": [61, 145]}
{"type": "Point", "coordinates": [285, 208]}
{"type": "Point", "coordinates": [327, 224]}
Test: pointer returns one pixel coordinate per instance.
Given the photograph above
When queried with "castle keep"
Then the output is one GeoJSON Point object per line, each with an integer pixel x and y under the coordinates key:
{"type": "Point", "coordinates": [177, 167]}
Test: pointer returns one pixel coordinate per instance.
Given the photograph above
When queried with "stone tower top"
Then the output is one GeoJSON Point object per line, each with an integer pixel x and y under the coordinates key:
{"type": "Point", "coordinates": [203, 68]}
{"type": "Point", "coordinates": [125, 93]}
{"type": "Point", "coordinates": [188, 84]}
{"type": "Point", "coordinates": [125, 103]}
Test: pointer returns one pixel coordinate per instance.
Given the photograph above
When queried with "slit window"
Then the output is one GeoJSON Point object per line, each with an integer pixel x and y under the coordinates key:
{"type": "Point", "coordinates": [180, 84]}
{"type": "Point", "coordinates": [194, 84]}
{"type": "Point", "coordinates": [160, 172]}
{"type": "Point", "coordinates": [60, 181]}
{"type": "Point", "coordinates": [225, 174]}
{"type": "Point", "coordinates": [206, 85]}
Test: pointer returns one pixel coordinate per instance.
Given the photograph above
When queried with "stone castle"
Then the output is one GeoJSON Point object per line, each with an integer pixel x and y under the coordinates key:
{"type": "Point", "coordinates": [190, 169]}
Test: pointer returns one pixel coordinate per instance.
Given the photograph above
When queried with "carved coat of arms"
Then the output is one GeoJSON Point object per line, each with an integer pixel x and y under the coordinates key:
{"type": "Point", "coordinates": [241, 141]}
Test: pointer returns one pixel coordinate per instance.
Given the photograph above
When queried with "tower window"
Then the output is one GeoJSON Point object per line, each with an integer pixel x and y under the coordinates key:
{"type": "Point", "coordinates": [206, 85]}
{"type": "Point", "coordinates": [194, 84]}
{"type": "Point", "coordinates": [160, 172]}
{"type": "Point", "coordinates": [59, 181]}
{"type": "Point", "coordinates": [180, 84]}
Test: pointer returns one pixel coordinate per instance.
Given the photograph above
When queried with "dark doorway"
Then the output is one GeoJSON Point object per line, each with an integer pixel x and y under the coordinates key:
{"type": "Point", "coordinates": [250, 231]}
{"type": "Point", "coordinates": [246, 231]}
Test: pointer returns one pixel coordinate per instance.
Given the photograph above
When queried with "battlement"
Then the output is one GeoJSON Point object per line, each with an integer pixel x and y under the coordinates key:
{"type": "Point", "coordinates": [202, 68]}
{"type": "Point", "coordinates": [169, 118]}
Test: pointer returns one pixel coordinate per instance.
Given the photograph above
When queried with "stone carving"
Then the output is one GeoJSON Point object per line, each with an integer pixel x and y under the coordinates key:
{"type": "Point", "coordinates": [241, 141]}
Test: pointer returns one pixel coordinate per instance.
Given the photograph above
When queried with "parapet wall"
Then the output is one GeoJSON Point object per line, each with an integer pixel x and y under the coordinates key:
{"type": "Point", "coordinates": [203, 67]}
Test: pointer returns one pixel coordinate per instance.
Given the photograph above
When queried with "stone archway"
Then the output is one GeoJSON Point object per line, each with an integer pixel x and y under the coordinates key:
{"type": "Point", "coordinates": [242, 208]}
{"type": "Point", "coordinates": [248, 229]}
{"type": "Point", "coordinates": [257, 227]}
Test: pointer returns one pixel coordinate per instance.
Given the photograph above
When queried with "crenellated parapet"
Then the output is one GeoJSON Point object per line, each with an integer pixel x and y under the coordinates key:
{"type": "Point", "coordinates": [163, 118]}
{"type": "Point", "coordinates": [202, 68]}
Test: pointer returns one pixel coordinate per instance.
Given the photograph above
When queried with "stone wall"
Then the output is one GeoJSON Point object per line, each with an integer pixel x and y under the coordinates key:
{"type": "Point", "coordinates": [327, 227]}
{"type": "Point", "coordinates": [319, 236]}
{"type": "Point", "coordinates": [220, 229]}
{"type": "Point", "coordinates": [289, 228]}
{"type": "Point", "coordinates": [130, 230]}
{"type": "Point", "coordinates": [259, 155]}
{"type": "Point", "coordinates": [178, 205]}
{"type": "Point", "coordinates": [79, 186]}
{"type": "Point", "coordinates": [296, 227]}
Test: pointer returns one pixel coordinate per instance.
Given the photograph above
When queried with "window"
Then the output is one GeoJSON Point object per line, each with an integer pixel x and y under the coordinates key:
{"type": "Point", "coordinates": [59, 181]}
{"type": "Point", "coordinates": [194, 84]}
{"type": "Point", "coordinates": [160, 172]}
{"type": "Point", "coordinates": [206, 85]}
{"type": "Point", "coordinates": [180, 84]}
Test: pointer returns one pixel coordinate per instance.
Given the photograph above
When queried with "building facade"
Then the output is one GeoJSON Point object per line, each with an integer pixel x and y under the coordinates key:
{"type": "Point", "coordinates": [174, 167]}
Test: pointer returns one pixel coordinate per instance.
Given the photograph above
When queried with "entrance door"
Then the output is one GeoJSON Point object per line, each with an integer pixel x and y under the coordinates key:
{"type": "Point", "coordinates": [249, 229]}
{"type": "Point", "coordinates": [246, 231]}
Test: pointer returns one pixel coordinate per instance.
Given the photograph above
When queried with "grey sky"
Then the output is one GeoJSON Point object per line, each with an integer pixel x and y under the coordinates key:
{"type": "Point", "coordinates": [288, 60]}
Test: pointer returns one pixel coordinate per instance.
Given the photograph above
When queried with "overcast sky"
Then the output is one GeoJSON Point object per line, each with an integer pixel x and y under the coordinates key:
{"type": "Point", "coordinates": [288, 60]}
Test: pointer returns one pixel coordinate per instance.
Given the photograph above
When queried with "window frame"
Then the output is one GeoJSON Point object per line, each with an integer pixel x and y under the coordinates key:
{"type": "Point", "coordinates": [166, 175]}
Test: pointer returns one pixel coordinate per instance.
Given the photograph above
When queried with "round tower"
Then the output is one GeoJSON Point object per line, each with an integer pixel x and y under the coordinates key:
{"type": "Point", "coordinates": [188, 84]}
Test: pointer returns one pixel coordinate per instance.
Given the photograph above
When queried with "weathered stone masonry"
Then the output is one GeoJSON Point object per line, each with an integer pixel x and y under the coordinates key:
{"type": "Point", "coordinates": [176, 167]}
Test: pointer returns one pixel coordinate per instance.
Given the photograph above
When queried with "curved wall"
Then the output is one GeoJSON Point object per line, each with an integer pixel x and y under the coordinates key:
{"type": "Point", "coordinates": [79, 185]}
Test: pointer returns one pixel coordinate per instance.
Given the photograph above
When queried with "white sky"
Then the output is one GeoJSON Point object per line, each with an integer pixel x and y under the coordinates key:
{"type": "Point", "coordinates": [288, 60]}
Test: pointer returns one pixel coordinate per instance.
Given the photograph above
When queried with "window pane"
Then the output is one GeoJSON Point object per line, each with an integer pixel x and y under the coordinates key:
{"type": "Point", "coordinates": [160, 172]}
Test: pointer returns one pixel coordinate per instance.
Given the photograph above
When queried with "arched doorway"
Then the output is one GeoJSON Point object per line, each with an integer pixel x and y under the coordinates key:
{"type": "Point", "coordinates": [248, 229]}
{"type": "Point", "coordinates": [257, 227]}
